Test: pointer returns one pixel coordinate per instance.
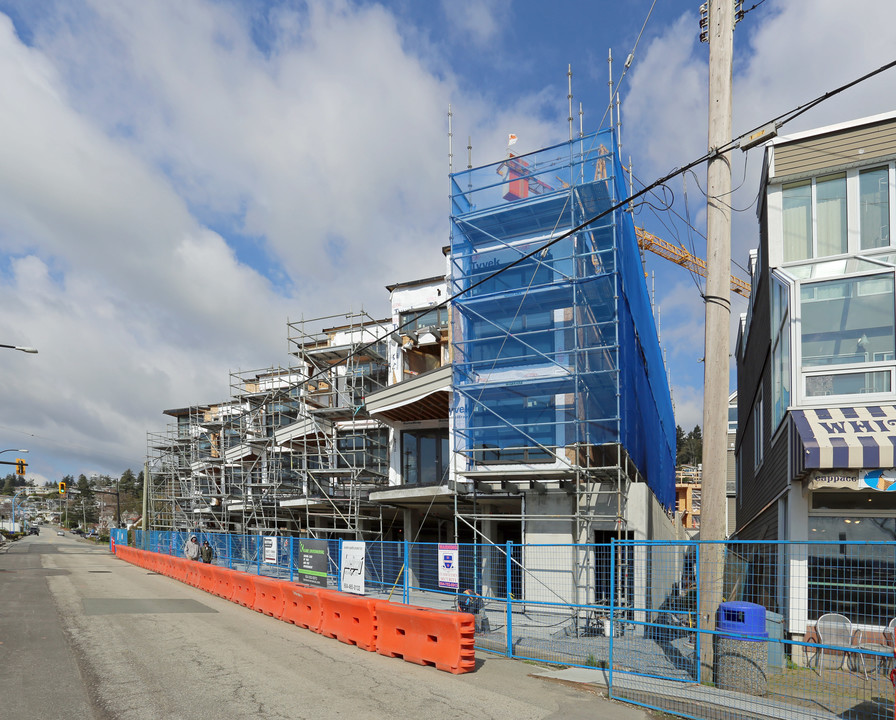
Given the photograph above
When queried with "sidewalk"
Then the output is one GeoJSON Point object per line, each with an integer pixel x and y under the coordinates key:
{"type": "Point", "coordinates": [687, 698]}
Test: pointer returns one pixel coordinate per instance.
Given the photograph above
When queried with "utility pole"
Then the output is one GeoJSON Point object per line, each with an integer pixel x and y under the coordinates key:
{"type": "Point", "coordinates": [720, 34]}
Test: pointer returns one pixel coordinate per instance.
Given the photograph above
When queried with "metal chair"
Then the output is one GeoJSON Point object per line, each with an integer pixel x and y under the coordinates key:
{"type": "Point", "coordinates": [883, 653]}
{"type": "Point", "coordinates": [834, 633]}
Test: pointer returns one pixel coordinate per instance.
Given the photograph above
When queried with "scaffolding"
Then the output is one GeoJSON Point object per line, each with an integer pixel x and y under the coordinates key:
{"type": "Point", "coordinates": [559, 385]}
{"type": "Point", "coordinates": [292, 450]}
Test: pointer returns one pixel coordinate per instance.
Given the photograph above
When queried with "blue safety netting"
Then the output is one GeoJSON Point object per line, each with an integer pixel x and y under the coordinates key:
{"type": "Point", "coordinates": [558, 352]}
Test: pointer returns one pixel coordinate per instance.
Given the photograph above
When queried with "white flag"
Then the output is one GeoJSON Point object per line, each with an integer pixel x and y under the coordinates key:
{"type": "Point", "coordinates": [511, 139]}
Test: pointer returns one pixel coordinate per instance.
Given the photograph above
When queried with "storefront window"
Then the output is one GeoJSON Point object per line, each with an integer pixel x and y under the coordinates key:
{"type": "Point", "coordinates": [847, 575]}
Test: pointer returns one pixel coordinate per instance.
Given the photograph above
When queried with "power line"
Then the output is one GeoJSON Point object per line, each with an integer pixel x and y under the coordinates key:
{"type": "Point", "coordinates": [712, 153]}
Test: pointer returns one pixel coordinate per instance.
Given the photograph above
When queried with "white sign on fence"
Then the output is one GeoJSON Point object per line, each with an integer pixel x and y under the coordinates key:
{"type": "Point", "coordinates": [270, 550]}
{"type": "Point", "coordinates": [448, 571]}
{"type": "Point", "coordinates": [352, 563]}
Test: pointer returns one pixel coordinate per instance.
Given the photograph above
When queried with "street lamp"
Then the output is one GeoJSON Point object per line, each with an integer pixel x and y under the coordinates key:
{"type": "Point", "coordinates": [12, 450]}
{"type": "Point", "coordinates": [20, 347]}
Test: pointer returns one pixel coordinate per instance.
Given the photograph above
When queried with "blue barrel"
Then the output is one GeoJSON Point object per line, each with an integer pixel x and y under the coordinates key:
{"type": "Point", "coordinates": [742, 620]}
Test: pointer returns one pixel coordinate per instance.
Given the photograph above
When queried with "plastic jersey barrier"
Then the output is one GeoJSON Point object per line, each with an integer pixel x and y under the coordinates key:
{"type": "Point", "coordinates": [179, 568]}
{"type": "Point", "coordinates": [269, 596]}
{"type": "Point", "coordinates": [302, 606]}
{"type": "Point", "coordinates": [419, 635]}
{"type": "Point", "coordinates": [243, 589]}
{"type": "Point", "coordinates": [223, 582]}
{"type": "Point", "coordinates": [426, 637]}
{"type": "Point", "coordinates": [348, 618]}
{"type": "Point", "coordinates": [206, 578]}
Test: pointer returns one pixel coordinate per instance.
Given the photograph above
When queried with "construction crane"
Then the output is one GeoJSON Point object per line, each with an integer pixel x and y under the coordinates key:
{"type": "Point", "coordinates": [680, 256]}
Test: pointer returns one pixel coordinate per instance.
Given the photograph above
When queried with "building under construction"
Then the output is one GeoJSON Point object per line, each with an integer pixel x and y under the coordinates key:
{"type": "Point", "coordinates": [522, 397]}
{"type": "Point", "coordinates": [291, 451]}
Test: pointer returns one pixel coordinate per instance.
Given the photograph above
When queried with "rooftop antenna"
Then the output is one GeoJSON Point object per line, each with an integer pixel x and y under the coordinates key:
{"type": "Point", "coordinates": [569, 98]}
{"type": "Point", "coordinates": [450, 146]}
{"type": "Point", "coordinates": [581, 121]}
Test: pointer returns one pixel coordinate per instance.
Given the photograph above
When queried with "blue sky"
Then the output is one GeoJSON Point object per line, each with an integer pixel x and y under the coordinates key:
{"type": "Point", "coordinates": [181, 177]}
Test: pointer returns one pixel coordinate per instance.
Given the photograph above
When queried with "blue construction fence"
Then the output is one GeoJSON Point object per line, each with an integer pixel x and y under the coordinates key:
{"type": "Point", "coordinates": [803, 629]}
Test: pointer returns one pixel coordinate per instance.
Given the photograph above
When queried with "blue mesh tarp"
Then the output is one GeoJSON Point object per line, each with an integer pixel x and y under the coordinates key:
{"type": "Point", "coordinates": [560, 347]}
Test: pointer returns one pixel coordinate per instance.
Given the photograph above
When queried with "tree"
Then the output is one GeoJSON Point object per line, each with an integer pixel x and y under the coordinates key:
{"type": "Point", "coordinates": [690, 446]}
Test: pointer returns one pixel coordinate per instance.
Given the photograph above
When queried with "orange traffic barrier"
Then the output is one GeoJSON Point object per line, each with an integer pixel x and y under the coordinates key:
{"type": "Point", "coordinates": [205, 577]}
{"type": "Point", "coordinates": [269, 596]}
{"type": "Point", "coordinates": [426, 637]}
{"type": "Point", "coordinates": [302, 606]}
{"type": "Point", "coordinates": [223, 582]}
{"type": "Point", "coordinates": [142, 558]}
{"type": "Point", "coordinates": [244, 589]}
{"type": "Point", "coordinates": [348, 618]}
{"type": "Point", "coordinates": [178, 568]}
{"type": "Point", "coordinates": [194, 574]}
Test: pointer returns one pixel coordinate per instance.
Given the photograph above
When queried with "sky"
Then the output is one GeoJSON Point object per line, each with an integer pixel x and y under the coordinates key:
{"type": "Point", "coordinates": [181, 178]}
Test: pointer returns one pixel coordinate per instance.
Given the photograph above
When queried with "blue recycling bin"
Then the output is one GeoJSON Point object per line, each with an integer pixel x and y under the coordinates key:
{"type": "Point", "coordinates": [743, 620]}
{"type": "Point", "coordinates": [741, 652]}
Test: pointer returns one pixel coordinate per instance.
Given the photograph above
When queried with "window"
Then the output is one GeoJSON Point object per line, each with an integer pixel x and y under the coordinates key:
{"type": "Point", "coordinates": [363, 449]}
{"type": "Point", "coordinates": [845, 573]}
{"type": "Point", "coordinates": [781, 366]}
{"type": "Point", "coordinates": [847, 321]}
{"type": "Point", "coordinates": [424, 456]}
{"type": "Point", "coordinates": [797, 207]}
{"type": "Point", "coordinates": [436, 317]}
{"type": "Point", "coordinates": [820, 215]}
{"type": "Point", "coordinates": [758, 431]}
{"type": "Point", "coordinates": [830, 220]}
{"type": "Point", "coordinates": [874, 208]}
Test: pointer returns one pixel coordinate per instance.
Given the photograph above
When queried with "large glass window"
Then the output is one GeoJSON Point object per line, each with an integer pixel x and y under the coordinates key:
{"type": "Point", "coordinates": [797, 205]}
{"type": "Point", "coordinates": [781, 366]}
{"type": "Point", "coordinates": [424, 456]}
{"type": "Point", "coordinates": [874, 208]}
{"type": "Point", "coordinates": [830, 208]}
{"type": "Point", "coordinates": [846, 575]}
{"type": "Point", "coordinates": [847, 321]}
{"type": "Point", "coordinates": [848, 383]}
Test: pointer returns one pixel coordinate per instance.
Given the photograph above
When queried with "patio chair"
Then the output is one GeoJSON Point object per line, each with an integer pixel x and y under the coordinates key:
{"type": "Point", "coordinates": [833, 629]}
{"type": "Point", "coordinates": [884, 658]}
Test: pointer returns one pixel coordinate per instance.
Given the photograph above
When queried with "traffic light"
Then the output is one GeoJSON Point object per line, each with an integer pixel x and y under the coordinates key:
{"type": "Point", "coordinates": [20, 466]}
{"type": "Point", "coordinates": [61, 488]}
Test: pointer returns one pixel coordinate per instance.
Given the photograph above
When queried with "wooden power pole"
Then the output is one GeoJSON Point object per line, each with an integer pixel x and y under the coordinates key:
{"type": "Point", "coordinates": [718, 313]}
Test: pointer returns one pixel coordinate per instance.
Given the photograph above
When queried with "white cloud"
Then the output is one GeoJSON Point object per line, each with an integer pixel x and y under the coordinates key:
{"type": "Point", "coordinates": [477, 21]}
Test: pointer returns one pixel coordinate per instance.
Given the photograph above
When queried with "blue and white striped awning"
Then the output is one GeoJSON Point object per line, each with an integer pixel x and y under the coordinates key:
{"type": "Point", "coordinates": [847, 437]}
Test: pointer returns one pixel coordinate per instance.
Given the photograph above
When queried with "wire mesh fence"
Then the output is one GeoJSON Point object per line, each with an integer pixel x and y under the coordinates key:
{"type": "Point", "coordinates": [702, 630]}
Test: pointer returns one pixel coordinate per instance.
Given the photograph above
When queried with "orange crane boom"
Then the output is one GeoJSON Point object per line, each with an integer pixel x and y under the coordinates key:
{"type": "Point", "coordinates": [680, 256]}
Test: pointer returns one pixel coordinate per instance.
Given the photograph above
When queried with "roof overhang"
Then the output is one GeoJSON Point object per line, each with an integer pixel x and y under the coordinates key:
{"type": "Point", "coordinates": [425, 397]}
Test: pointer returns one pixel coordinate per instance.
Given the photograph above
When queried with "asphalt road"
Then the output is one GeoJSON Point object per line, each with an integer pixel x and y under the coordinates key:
{"type": "Point", "coordinates": [84, 635]}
